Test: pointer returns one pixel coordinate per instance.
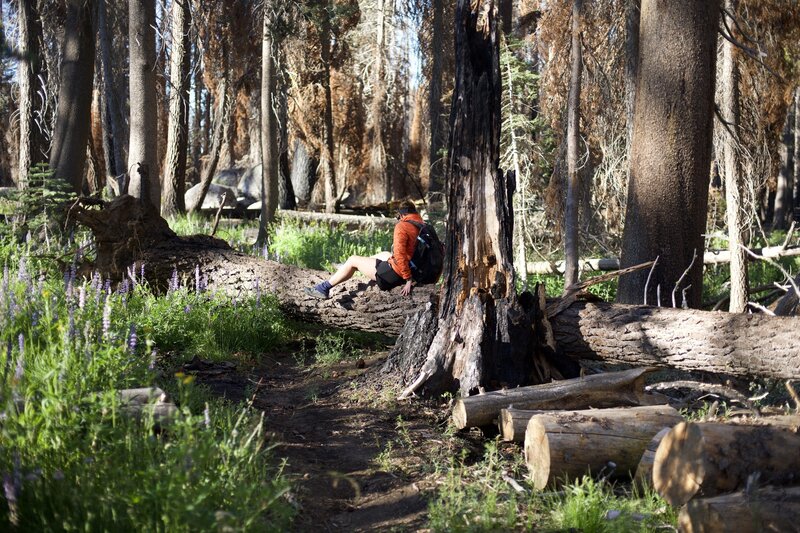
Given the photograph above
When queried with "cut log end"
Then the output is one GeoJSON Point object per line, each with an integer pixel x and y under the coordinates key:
{"type": "Point", "coordinates": [678, 469]}
{"type": "Point", "coordinates": [460, 415]}
{"type": "Point", "coordinates": [537, 453]}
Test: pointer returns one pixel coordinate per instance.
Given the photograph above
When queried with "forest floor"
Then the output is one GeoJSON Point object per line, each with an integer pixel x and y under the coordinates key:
{"type": "Point", "coordinates": [358, 460]}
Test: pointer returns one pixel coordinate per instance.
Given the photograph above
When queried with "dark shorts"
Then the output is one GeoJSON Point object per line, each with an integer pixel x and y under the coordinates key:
{"type": "Point", "coordinates": [386, 277]}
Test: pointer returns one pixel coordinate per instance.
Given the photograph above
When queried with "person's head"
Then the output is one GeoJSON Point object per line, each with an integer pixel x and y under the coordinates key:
{"type": "Point", "coordinates": [406, 208]}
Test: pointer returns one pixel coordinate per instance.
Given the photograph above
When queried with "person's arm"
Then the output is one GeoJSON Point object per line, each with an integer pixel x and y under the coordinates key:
{"type": "Point", "coordinates": [403, 250]}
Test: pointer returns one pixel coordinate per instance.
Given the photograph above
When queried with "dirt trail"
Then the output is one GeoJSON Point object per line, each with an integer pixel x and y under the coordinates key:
{"type": "Point", "coordinates": [355, 465]}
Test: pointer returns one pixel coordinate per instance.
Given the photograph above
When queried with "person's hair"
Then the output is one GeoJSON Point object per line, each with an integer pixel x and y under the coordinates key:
{"type": "Point", "coordinates": [406, 208]}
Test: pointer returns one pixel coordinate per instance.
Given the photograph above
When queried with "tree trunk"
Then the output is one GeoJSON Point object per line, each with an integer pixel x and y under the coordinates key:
{"type": "Point", "coordinates": [710, 458]}
{"type": "Point", "coordinates": [571, 212]}
{"type": "Point", "coordinates": [743, 345]}
{"type": "Point", "coordinates": [632, 14]}
{"type": "Point", "coordinates": [374, 131]}
{"type": "Point", "coordinates": [221, 118]}
{"type": "Point", "coordinates": [436, 178]}
{"type": "Point", "coordinates": [328, 170]}
{"type": "Point", "coordinates": [479, 312]}
{"type": "Point", "coordinates": [563, 446]}
{"type": "Point", "coordinates": [611, 389]}
{"type": "Point", "coordinates": [734, 207]}
{"type": "Point", "coordinates": [668, 187]}
{"type": "Point", "coordinates": [783, 193]}
{"type": "Point", "coordinates": [753, 511]}
{"type": "Point", "coordinates": [32, 145]}
{"type": "Point", "coordinates": [178, 132]}
{"type": "Point", "coordinates": [96, 171]}
{"type": "Point", "coordinates": [114, 136]}
{"type": "Point", "coordinates": [644, 471]}
{"type": "Point", "coordinates": [197, 132]}
{"type": "Point", "coordinates": [303, 174]}
{"type": "Point", "coordinates": [270, 158]}
{"type": "Point", "coordinates": [796, 173]}
{"type": "Point", "coordinates": [142, 149]}
{"type": "Point", "coordinates": [68, 152]}
{"type": "Point", "coordinates": [513, 422]}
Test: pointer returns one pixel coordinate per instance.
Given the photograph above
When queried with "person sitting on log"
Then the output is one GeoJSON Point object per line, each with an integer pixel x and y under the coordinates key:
{"type": "Point", "coordinates": [387, 269]}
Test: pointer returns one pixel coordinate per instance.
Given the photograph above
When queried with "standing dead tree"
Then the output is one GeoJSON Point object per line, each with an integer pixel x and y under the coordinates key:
{"type": "Point", "coordinates": [479, 313]}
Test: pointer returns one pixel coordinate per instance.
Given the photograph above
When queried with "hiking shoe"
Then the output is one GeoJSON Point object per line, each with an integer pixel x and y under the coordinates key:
{"type": "Point", "coordinates": [317, 293]}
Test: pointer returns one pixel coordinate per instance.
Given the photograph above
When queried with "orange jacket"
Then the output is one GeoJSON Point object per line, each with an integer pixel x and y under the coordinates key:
{"type": "Point", "coordinates": [405, 241]}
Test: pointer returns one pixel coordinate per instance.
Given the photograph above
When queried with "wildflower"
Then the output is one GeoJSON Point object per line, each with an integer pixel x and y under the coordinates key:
{"type": "Point", "coordinates": [132, 339]}
{"type": "Point", "coordinates": [20, 370]}
{"type": "Point", "coordinates": [71, 330]}
{"type": "Point", "coordinates": [173, 281]}
{"type": "Point", "coordinates": [187, 309]}
{"type": "Point", "coordinates": [141, 273]}
{"type": "Point", "coordinates": [107, 287]}
{"type": "Point", "coordinates": [82, 297]}
{"type": "Point", "coordinates": [206, 416]}
{"type": "Point", "coordinates": [8, 360]}
{"type": "Point", "coordinates": [197, 278]}
{"type": "Point", "coordinates": [152, 365]}
{"type": "Point", "coordinates": [106, 318]}
{"type": "Point", "coordinates": [35, 318]}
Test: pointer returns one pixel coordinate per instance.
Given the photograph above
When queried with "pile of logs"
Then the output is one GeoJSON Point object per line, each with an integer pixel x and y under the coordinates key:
{"type": "Point", "coordinates": [733, 476]}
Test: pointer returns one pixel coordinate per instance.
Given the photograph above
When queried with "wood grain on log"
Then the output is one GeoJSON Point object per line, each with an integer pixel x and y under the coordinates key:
{"type": "Point", "coordinates": [644, 472]}
{"type": "Point", "coordinates": [611, 389]}
{"type": "Point", "coordinates": [710, 458]}
{"type": "Point", "coordinates": [759, 510]}
{"type": "Point", "coordinates": [726, 343]}
{"type": "Point", "coordinates": [565, 445]}
{"type": "Point", "coordinates": [513, 422]}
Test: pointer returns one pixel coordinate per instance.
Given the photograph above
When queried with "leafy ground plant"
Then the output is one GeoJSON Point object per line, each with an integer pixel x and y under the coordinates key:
{"type": "Point", "coordinates": [71, 459]}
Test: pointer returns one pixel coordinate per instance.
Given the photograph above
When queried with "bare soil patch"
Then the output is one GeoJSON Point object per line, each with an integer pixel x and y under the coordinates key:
{"type": "Point", "coordinates": [359, 460]}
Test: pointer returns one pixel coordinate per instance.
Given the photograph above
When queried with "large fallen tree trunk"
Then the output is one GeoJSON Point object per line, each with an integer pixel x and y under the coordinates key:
{"type": "Point", "coordinates": [563, 446]}
{"type": "Point", "coordinates": [762, 509]}
{"type": "Point", "coordinates": [710, 458]}
{"type": "Point", "coordinates": [611, 389]}
{"type": "Point", "coordinates": [636, 335]}
{"type": "Point", "coordinates": [644, 472]}
{"type": "Point", "coordinates": [726, 343]}
{"type": "Point", "coordinates": [711, 257]}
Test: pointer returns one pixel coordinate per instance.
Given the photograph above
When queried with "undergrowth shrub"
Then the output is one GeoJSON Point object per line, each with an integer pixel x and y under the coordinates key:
{"type": "Point", "coordinates": [71, 459]}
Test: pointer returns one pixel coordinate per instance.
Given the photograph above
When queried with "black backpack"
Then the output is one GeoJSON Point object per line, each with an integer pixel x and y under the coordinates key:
{"type": "Point", "coordinates": [428, 259]}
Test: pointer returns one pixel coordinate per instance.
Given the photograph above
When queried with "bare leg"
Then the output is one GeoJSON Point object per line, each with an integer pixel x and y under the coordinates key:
{"type": "Point", "coordinates": [383, 256]}
{"type": "Point", "coordinates": [365, 265]}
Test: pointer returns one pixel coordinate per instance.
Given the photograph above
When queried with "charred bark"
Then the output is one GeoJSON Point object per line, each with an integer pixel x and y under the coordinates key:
{"type": "Point", "coordinates": [479, 314]}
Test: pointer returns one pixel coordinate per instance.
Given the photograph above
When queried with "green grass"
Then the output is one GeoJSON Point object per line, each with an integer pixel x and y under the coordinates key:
{"type": "Point", "coordinates": [474, 497]}
{"type": "Point", "coordinates": [320, 246]}
{"type": "Point", "coordinates": [70, 458]}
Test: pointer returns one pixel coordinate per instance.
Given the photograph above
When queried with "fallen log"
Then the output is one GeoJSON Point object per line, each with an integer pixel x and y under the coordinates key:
{"type": "Point", "coordinates": [563, 446]}
{"type": "Point", "coordinates": [644, 471]}
{"type": "Point", "coordinates": [513, 422]}
{"type": "Point", "coordinates": [610, 389]}
{"type": "Point", "coordinates": [642, 336]}
{"type": "Point", "coordinates": [710, 458]}
{"type": "Point", "coordinates": [726, 343]}
{"type": "Point", "coordinates": [754, 511]}
{"type": "Point", "coordinates": [711, 257]}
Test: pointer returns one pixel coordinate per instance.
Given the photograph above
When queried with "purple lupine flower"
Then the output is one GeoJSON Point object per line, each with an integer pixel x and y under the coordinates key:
{"type": "Point", "coordinates": [141, 273]}
{"type": "Point", "coordinates": [71, 330]}
{"type": "Point", "coordinates": [82, 296]}
{"type": "Point", "coordinates": [197, 279]}
{"type": "Point", "coordinates": [107, 286]}
{"type": "Point", "coordinates": [187, 309]}
{"type": "Point", "coordinates": [9, 348]}
{"type": "Point", "coordinates": [95, 281]}
{"type": "Point", "coordinates": [203, 283]}
{"type": "Point", "coordinates": [152, 365]}
{"type": "Point", "coordinates": [132, 339]}
{"type": "Point", "coordinates": [173, 281]}
{"type": "Point", "coordinates": [35, 318]}
{"type": "Point", "coordinates": [22, 273]}
{"type": "Point", "coordinates": [265, 252]}
{"type": "Point", "coordinates": [20, 370]}
{"type": "Point", "coordinates": [106, 318]}
{"type": "Point", "coordinates": [123, 287]}
{"type": "Point", "coordinates": [206, 416]}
